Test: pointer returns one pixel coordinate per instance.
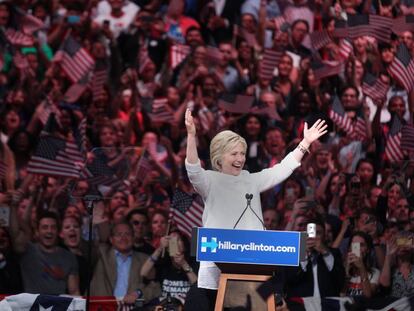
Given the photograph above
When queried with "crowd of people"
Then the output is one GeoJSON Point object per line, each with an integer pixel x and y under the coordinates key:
{"type": "Point", "coordinates": [93, 102]}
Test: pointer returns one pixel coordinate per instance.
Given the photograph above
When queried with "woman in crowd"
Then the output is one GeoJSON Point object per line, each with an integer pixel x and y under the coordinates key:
{"type": "Point", "coordinates": [159, 224]}
{"type": "Point", "coordinates": [176, 272]}
{"type": "Point", "coordinates": [21, 143]}
{"type": "Point", "coordinates": [362, 277]}
{"type": "Point", "coordinates": [70, 235]}
{"type": "Point", "coordinates": [392, 191]}
{"type": "Point", "coordinates": [227, 185]}
{"type": "Point", "coordinates": [398, 270]}
{"type": "Point", "coordinates": [366, 173]}
{"type": "Point", "coordinates": [283, 84]}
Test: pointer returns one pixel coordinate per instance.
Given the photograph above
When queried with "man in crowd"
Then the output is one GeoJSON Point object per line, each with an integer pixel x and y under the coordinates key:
{"type": "Point", "coordinates": [139, 223]}
{"type": "Point", "coordinates": [46, 267]}
{"type": "Point", "coordinates": [321, 274]}
{"type": "Point", "coordinates": [117, 272]}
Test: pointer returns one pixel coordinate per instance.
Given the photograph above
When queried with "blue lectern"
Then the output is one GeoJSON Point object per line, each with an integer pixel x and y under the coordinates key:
{"type": "Point", "coordinates": [248, 255]}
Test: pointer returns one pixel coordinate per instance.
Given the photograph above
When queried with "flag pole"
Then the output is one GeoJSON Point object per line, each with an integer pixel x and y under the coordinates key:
{"type": "Point", "coordinates": [166, 234]}
{"type": "Point", "coordinates": [141, 158]}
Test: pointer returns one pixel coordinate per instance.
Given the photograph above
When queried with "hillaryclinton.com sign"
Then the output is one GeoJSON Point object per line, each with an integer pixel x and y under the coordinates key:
{"type": "Point", "coordinates": [249, 246]}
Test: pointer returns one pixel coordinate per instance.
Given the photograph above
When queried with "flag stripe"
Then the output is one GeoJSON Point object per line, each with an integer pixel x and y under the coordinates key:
{"type": "Point", "coordinates": [186, 212]}
{"type": "Point", "coordinates": [407, 137]}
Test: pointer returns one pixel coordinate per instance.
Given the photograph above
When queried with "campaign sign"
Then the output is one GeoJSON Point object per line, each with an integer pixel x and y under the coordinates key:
{"type": "Point", "coordinates": [249, 246]}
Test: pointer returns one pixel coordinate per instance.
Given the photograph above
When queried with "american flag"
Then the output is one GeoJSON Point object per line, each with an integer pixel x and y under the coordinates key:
{"type": "Point", "coordinates": [279, 21]}
{"type": "Point", "coordinates": [204, 119]}
{"type": "Point", "coordinates": [359, 129]}
{"type": "Point", "coordinates": [3, 169]}
{"type": "Point", "coordinates": [104, 184]}
{"type": "Point", "coordinates": [76, 62]}
{"type": "Point", "coordinates": [393, 150]}
{"type": "Point", "coordinates": [24, 22]}
{"type": "Point", "coordinates": [178, 52]}
{"type": "Point", "coordinates": [374, 87]}
{"type": "Point", "coordinates": [269, 62]}
{"type": "Point", "coordinates": [45, 109]}
{"type": "Point", "coordinates": [339, 116]}
{"type": "Point", "coordinates": [160, 111]}
{"type": "Point", "coordinates": [407, 137]}
{"type": "Point", "coordinates": [345, 48]}
{"type": "Point", "coordinates": [235, 103]}
{"type": "Point", "coordinates": [98, 172]}
{"type": "Point", "coordinates": [16, 37]}
{"type": "Point", "coordinates": [266, 111]}
{"type": "Point", "coordinates": [370, 25]}
{"type": "Point", "coordinates": [186, 211]}
{"type": "Point", "coordinates": [40, 301]}
{"type": "Point", "coordinates": [56, 157]}
{"type": "Point", "coordinates": [381, 27]}
{"type": "Point", "coordinates": [402, 67]}
{"type": "Point", "coordinates": [98, 80]}
{"type": "Point", "coordinates": [356, 130]}
{"type": "Point", "coordinates": [81, 137]}
{"type": "Point", "coordinates": [76, 90]}
{"type": "Point", "coordinates": [144, 166]}
{"type": "Point", "coordinates": [319, 39]}
{"type": "Point", "coordinates": [341, 29]}
{"type": "Point", "coordinates": [403, 23]}
{"type": "Point", "coordinates": [323, 69]}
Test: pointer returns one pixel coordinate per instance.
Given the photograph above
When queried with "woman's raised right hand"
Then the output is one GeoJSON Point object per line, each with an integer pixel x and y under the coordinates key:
{"type": "Point", "coordinates": [189, 123]}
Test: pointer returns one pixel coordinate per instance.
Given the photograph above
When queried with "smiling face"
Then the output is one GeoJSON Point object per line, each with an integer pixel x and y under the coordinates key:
{"type": "Point", "coordinates": [285, 66]}
{"type": "Point", "coordinates": [47, 231]}
{"type": "Point", "coordinates": [274, 142]}
{"type": "Point", "coordinates": [232, 161]}
{"type": "Point", "coordinates": [70, 233]}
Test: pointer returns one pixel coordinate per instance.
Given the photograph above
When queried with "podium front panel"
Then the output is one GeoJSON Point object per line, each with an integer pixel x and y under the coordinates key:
{"type": "Point", "coordinates": [257, 247]}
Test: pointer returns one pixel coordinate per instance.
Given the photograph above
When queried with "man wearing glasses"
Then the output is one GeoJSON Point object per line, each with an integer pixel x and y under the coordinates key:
{"type": "Point", "coordinates": [138, 220]}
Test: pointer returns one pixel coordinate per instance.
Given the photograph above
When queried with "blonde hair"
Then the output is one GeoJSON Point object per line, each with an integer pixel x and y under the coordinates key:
{"type": "Point", "coordinates": [222, 143]}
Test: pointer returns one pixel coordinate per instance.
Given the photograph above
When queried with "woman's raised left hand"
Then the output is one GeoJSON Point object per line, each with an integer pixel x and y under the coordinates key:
{"type": "Point", "coordinates": [317, 130]}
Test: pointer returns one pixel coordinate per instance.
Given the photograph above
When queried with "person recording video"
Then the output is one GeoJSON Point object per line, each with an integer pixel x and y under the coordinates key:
{"type": "Point", "coordinates": [227, 187]}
